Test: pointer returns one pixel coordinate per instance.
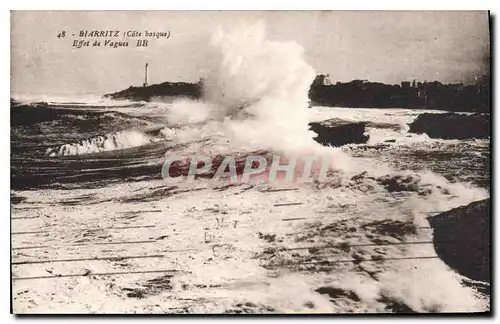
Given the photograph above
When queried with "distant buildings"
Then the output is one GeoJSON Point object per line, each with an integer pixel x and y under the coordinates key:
{"type": "Point", "coordinates": [326, 80]}
{"type": "Point", "coordinates": [323, 79]}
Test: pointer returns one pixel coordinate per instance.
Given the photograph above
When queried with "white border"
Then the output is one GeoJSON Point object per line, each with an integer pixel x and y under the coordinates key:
{"type": "Point", "coordinates": [186, 5]}
{"type": "Point", "coordinates": [255, 5]}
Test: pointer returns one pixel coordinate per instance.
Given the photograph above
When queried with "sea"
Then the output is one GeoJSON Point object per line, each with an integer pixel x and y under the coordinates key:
{"type": "Point", "coordinates": [97, 229]}
{"type": "Point", "coordinates": [92, 141]}
{"type": "Point", "coordinates": [82, 166]}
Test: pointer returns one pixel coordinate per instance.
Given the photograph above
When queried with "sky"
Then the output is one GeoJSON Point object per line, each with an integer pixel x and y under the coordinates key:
{"type": "Point", "coordinates": [389, 47]}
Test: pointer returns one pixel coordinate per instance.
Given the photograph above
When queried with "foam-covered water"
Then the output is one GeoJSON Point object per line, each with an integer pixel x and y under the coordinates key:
{"type": "Point", "coordinates": [256, 99]}
{"type": "Point", "coordinates": [109, 142]}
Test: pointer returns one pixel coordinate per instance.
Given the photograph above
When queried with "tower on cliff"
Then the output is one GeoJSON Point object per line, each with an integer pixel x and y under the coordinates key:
{"type": "Point", "coordinates": [145, 84]}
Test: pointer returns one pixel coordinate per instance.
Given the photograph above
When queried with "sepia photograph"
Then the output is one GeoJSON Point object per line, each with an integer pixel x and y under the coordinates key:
{"type": "Point", "coordinates": [250, 162]}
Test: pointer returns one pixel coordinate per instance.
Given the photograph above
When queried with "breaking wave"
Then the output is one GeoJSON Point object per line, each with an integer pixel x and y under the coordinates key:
{"type": "Point", "coordinates": [102, 143]}
{"type": "Point", "coordinates": [258, 91]}
{"type": "Point", "coordinates": [72, 101]}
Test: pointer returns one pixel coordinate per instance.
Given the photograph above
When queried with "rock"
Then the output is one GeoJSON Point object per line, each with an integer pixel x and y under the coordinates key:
{"type": "Point", "coordinates": [387, 229]}
{"type": "Point", "coordinates": [452, 126]}
{"type": "Point", "coordinates": [398, 183]}
{"type": "Point", "coordinates": [394, 305]}
{"type": "Point", "coordinates": [462, 239]}
{"type": "Point", "coordinates": [390, 141]}
{"type": "Point", "coordinates": [335, 293]}
{"type": "Point", "coordinates": [337, 132]}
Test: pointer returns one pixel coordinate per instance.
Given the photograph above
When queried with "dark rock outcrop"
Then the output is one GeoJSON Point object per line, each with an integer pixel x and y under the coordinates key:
{"type": "Point", "coordinates": [337, 132]}
{"type": "Point", "coordinates": [452, 126]}
{"type": "Point", "coordinates": [462, 239]}
{"type": "Point", "coordinates": [336, 293]}
{"type": "Point", "coordinates": [165, 89]}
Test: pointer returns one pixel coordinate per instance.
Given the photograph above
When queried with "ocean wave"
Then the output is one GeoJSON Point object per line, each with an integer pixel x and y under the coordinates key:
{"type": "Point", "coordinates": [102, 143]}
{"type": "Point", "coordinates": [84, 120]}
{"type": "Point", "coordinates": [72, 101]}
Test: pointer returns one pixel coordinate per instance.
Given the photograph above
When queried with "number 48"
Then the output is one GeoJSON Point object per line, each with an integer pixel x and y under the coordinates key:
{"type": "Point", "coordinates": [61, 34]}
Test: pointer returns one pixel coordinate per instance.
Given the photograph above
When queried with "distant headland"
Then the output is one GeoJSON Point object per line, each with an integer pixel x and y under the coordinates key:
{"type": "Point", "coordinates": [354, 94]}
{"type": "Point", "coordinates": [165, 89]}
{"type": "Point", "coordinates": [414, 94]}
